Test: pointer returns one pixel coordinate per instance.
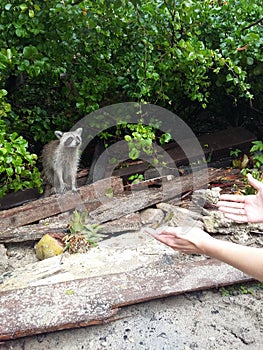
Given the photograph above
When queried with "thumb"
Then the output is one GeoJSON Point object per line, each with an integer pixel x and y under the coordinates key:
{"type": "Point", "coordinates": [253, 182]}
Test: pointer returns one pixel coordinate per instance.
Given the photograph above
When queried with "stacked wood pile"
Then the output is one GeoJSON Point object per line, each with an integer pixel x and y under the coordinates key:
{"type": "Point", "coordinates": [95, 300]}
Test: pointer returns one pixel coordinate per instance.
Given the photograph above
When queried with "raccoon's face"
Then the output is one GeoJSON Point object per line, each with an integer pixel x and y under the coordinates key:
{"type": "Point", "coordinates": [70, 139]}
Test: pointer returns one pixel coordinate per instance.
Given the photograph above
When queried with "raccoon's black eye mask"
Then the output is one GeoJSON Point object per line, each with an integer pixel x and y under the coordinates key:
{"type": "Point", "coordinates": [68, 141]}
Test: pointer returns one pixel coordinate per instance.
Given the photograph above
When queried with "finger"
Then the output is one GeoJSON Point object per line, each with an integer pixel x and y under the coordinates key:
{"type": "Point", "coordinates": [231, 210]}
{"type": "Point", "coordinates": [170, 241]}
{"type": "Point", "coordinates": [179, 231]}
{"type": "Point", "coordinates": [237, 218]}
{"type": "Point", "coordinates": [232, 198]}
{"type": "Point", "coordinates": [222, 204]}
{"type": "Point", "coordinates": [177, 244]}
{"type": "Point", "coordinates": [253, 182]}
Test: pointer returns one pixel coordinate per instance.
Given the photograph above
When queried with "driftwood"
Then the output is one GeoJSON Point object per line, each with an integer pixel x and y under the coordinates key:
{"type": "Point", "coordinates": [96, 300]}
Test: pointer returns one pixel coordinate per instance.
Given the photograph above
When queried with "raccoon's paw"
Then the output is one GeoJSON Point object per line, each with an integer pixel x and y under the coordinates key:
{"type": "Point", "coordinates": [75, 190]}
{"type": "Point", "coordinates": [64, 188]}
{"type": "Point", "coordinates": [53, 190]}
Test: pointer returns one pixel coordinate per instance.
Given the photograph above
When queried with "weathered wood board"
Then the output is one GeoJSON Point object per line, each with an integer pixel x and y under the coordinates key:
{"type": "Point", "coordinates": [95, 300]}
{"type": "Point", "coordinates": [46, 207]}
{"type": "Point", "coordinates": [34, 232]}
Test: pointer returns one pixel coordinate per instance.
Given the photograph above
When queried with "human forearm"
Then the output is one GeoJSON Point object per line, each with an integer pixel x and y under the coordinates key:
{"type": "Point", "coordinates": [246, 259]}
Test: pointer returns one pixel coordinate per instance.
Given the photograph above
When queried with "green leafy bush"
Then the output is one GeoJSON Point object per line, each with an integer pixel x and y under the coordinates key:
{"type": "Point", "coordinates": [64, 59]}
{"type": "Point", "coordinates": [60, 60]}
{"type": "Point", "coordinates": [17, 166]}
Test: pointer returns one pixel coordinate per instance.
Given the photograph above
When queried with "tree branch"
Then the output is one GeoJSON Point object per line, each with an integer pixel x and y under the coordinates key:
{"type": "Point", "coordinates": [252, 24]}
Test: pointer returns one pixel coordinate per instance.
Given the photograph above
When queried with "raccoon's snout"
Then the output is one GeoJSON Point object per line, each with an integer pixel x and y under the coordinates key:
{"type": "Point", "coordinates": [71, 142]}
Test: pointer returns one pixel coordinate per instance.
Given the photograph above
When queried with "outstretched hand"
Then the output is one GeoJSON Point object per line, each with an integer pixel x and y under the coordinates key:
{"type": "Point", "coordinates": [187, 240]}
{"type": "Point", "coordinates": [244, 208]}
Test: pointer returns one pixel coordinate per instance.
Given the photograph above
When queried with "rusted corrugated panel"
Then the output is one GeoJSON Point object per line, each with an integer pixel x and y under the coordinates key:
{"type": "Point", "coordinates": [96, 300]}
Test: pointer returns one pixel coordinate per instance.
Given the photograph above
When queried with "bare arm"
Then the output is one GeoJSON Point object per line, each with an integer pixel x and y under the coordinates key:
{"type": "Point", "coordinates": [193, 240]}
{"type": "Point", "coordinates": [246, 259]}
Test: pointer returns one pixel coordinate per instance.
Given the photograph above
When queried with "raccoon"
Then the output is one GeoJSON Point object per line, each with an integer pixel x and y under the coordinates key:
{"type": "Point", "coordinates": [60, 161]}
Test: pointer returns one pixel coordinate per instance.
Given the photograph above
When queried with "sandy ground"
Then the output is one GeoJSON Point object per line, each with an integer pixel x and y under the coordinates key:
{"type": "Point", "coordinates": [220, 320]}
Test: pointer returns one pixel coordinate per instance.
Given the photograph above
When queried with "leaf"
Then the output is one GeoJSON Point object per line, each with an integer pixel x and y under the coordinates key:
{"type": "Point", "coordinates": [31, 13]}
{"type": "Point", "coordinates": [250, 61]}
{"type": "Point", "coordinates": [23, 7]}
{"type": "Point", "coordinates": [9, 171]}
{"type": "Point", "coordinates": [229, 77]}
{"type": "Point", "coordinates": [8, 7]}
{"type": "Point", "coordinates": [30, 52]}
{"type": "Point", "coordinates": [3, 93]}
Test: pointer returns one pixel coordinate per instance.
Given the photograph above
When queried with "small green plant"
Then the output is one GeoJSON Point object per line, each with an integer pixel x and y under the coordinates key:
{"type": "Point", "coordinates": [136, 178]}
{"type": "Point", "coordinates": [256, 165]}
{"type": "Point", "coordinates": [235, 153]}
{"type": "Point", "coordinates": [82, 235]}
{"type": "Point", "coordinates": [239, 161]}
{"type": "Point", "coordinates": [252, 163]}
{"type": "Point", "coordinates": [241, 289]}
{"type": "Point", "coordinates": [142, 141]}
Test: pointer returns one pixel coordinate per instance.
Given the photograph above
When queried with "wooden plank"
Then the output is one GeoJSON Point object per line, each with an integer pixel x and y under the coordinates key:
{"type": "Point", "coordinates": [95, 300]}
{"type": "Point", "coordinates": [138, 200]}
{"type": "Point", "coordinates": [119, 206]}
{"type": "Point", "coordinates": [56, 204]}
{"type": "Point", "coordinates": [34, 232]}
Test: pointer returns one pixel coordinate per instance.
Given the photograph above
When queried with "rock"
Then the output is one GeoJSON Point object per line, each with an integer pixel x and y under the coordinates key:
{"type": "Point", "coordinates": [216, 222]}
{"type": "Point", "coordinates": [48, 247]}
{"type": "Point", "coordinates": [152, 216]}
{"type": "Point", "coordinates": [3, 259]}
{"type": "Point", "coordinates": [177, 216]}
{"type": "Point", "coordinates": [206, 197]}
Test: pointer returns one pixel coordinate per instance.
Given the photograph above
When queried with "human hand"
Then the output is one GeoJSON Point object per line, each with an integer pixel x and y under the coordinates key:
{"type": "Point", "coordinates": [189, 240]}
{"type": "Point", "coordinates": [244, 208]}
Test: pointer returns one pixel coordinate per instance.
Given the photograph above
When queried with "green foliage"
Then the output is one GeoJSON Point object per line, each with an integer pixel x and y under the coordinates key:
{"type": "Point", "coordinates": [141, 141]}
{"type": "Point", "coordinates": [17, 166]}
{"type": "Point", "coordinates": [61, 59]}
{"type": "Point", "coordinates": [252, 163]}
{"type": "Point", "coordinates": [255, 167]}
{"type": "Point", "coordinates": [235, 152]}
{"type": "Point", "coordinates": [256, 152]}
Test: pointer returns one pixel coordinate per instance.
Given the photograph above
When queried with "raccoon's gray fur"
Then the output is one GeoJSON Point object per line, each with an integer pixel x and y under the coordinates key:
{"type": "Point", "coordinates": [60, 160]}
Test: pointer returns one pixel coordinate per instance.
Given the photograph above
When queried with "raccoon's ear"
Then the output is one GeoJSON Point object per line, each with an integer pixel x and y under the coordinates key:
{"type": "Point", "coordinates": [78, 131]}
{"type": "Point", "coordinates": [58, 134]}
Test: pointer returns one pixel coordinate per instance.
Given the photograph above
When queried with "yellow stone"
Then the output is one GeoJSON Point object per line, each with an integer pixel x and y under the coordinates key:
{"type": "Point", "coordinates": [48, 247]}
